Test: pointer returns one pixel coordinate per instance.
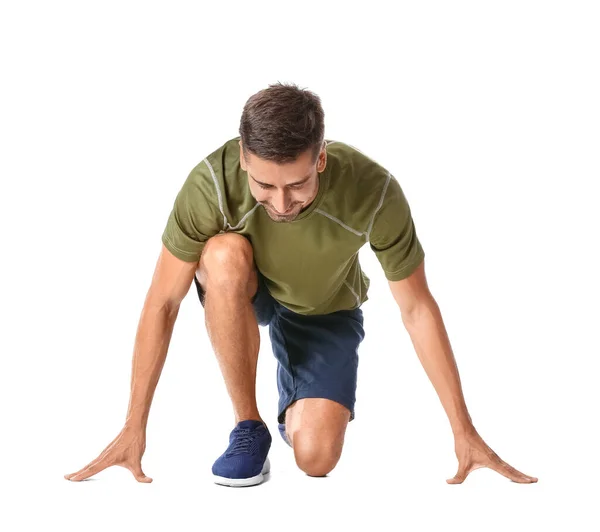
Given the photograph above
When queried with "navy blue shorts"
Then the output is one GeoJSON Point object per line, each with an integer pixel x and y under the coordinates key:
{"type": "Point", "coordinates": [317, 355]}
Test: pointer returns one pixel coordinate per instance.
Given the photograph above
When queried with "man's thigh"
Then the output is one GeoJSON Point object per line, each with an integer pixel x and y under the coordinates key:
{"type": "Point", "coordinates": [317, 359]}
{"type": "Point", "coordinates": [316, 377]}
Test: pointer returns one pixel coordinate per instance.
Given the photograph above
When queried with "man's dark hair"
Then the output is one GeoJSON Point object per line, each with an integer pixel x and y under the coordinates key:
{"type": "Point", "coordinates": [281, 122]}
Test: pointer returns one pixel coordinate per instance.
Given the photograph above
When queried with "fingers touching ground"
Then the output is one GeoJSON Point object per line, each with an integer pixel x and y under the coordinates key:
{"type": "Point", "coordinates": [95, 466]}
{"type": "Point", "coordinates": [495, 463]}
{"type": "Point", "coordinates": [125, 450]}
{"type": "Point", "coordinates": [510, 472]}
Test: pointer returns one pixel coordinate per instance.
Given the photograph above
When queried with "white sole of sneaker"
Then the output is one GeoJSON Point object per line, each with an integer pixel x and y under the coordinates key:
{"type": "Point", "coordinates": [251, 481]}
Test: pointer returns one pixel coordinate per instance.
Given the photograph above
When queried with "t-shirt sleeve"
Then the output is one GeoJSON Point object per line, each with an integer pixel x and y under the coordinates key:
{"type": "Point", "coordinates": [195, 216]}
{"type": "Point", "coordinates": [393, 235]}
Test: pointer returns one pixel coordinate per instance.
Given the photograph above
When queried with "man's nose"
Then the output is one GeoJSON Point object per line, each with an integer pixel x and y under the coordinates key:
{"type": "Point", "coordinates": [281, 204]}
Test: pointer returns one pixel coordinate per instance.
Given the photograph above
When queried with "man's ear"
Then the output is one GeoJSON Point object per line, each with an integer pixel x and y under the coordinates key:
{"type": "Point", "coordinates": [322, 163]}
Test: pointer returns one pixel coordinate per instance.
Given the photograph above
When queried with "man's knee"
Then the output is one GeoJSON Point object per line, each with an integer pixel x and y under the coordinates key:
{"type": "Point", "coordinates": [315, 453]}
{"type": "Point", "coordinates": [226, 257]}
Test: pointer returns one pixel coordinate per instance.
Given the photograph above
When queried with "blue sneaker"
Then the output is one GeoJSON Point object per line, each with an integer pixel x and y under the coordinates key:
{"type": "Point", "coordinates": [283, 434]}
{"type": "Point", "coordinates": [245, 462]}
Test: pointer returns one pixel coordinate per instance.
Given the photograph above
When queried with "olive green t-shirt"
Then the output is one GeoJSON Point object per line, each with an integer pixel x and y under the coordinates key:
{"type": "Point", "coordinates": [310, 264]}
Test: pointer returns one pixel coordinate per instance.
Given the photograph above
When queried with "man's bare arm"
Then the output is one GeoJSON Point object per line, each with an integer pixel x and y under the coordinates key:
{"type": "Point", "coordinates": [170, 283]}
{"type": "Point", "coordinates": [423, 321]}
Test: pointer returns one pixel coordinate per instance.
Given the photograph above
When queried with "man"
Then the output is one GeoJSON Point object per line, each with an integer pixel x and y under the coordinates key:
{"type": "Point", "coordinates": [268, 227]}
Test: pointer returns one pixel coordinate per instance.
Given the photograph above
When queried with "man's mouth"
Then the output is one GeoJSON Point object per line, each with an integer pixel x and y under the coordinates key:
{"type": "Point", "coordinates": [289, 211]}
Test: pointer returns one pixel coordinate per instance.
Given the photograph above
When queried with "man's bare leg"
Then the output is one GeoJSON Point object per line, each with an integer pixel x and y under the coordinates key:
{"type": "Point", "coordinates": [226, 274]}
{"type": "Point", "coordinates": [316, 428]}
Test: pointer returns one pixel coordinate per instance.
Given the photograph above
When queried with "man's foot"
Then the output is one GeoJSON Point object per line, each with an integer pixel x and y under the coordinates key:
{"type": "Point", "coordinates": [283, 434]}
{"type": "Point", "coordinates": [245, 462]}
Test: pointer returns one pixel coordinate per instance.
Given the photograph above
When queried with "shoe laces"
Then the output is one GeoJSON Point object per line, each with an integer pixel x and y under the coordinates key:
{"type": "Point", "coordinates": [243, 441]}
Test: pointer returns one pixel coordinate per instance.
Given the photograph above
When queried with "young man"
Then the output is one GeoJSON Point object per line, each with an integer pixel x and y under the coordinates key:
{"type": "Point", "coordinates": [269, 227]}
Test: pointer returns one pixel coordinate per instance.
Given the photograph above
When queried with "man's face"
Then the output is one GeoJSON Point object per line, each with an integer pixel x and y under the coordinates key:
{"type": "Point", "coordinates": [284, 190]}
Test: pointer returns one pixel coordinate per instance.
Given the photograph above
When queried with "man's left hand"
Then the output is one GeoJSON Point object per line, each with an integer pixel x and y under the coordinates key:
{"type": "Point", "coordinates": [473, 453]}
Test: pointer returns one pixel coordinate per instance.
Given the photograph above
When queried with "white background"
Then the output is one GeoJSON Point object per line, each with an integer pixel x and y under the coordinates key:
{"type": "Point", "coordinates": [486, 112]}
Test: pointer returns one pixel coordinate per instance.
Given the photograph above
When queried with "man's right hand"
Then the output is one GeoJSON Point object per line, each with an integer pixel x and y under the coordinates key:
{"type": "Point", "coordinates": [125, 450]}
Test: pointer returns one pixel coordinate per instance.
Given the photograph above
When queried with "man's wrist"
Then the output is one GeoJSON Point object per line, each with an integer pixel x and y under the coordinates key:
{"type": "Point", "coordinates": [462, 425]}
{"type": "Point", "coordinates": [463, 429]}
{"type": "Point", "coordinates": [136, 423]}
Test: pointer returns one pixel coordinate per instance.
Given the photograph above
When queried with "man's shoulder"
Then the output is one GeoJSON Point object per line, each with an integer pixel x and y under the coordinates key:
{"type": "Point", "coordinates": [355, 174]}
{"type": "Point", "coordinates": [225, 159]}
{"type": "Point", "coordinates": [209, 175]}
{"type": "Point", "coordinates": [223, 170]}
{"type": "Point", "coordinates": [356, 183]}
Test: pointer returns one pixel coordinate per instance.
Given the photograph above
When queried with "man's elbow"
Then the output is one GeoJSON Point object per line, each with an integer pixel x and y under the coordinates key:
{"type": "Point", "coordinates": [418, 309]}
{"type": "Point", "coordinates": [412, 295]}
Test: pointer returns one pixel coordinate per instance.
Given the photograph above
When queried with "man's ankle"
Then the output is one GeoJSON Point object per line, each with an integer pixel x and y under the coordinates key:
{"type": "Point", "coordinates": [238, 419]}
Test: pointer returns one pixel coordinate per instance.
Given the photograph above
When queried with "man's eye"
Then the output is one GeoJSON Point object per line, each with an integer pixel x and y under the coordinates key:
{"type": "Point", "coordinates": [294, 187]}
